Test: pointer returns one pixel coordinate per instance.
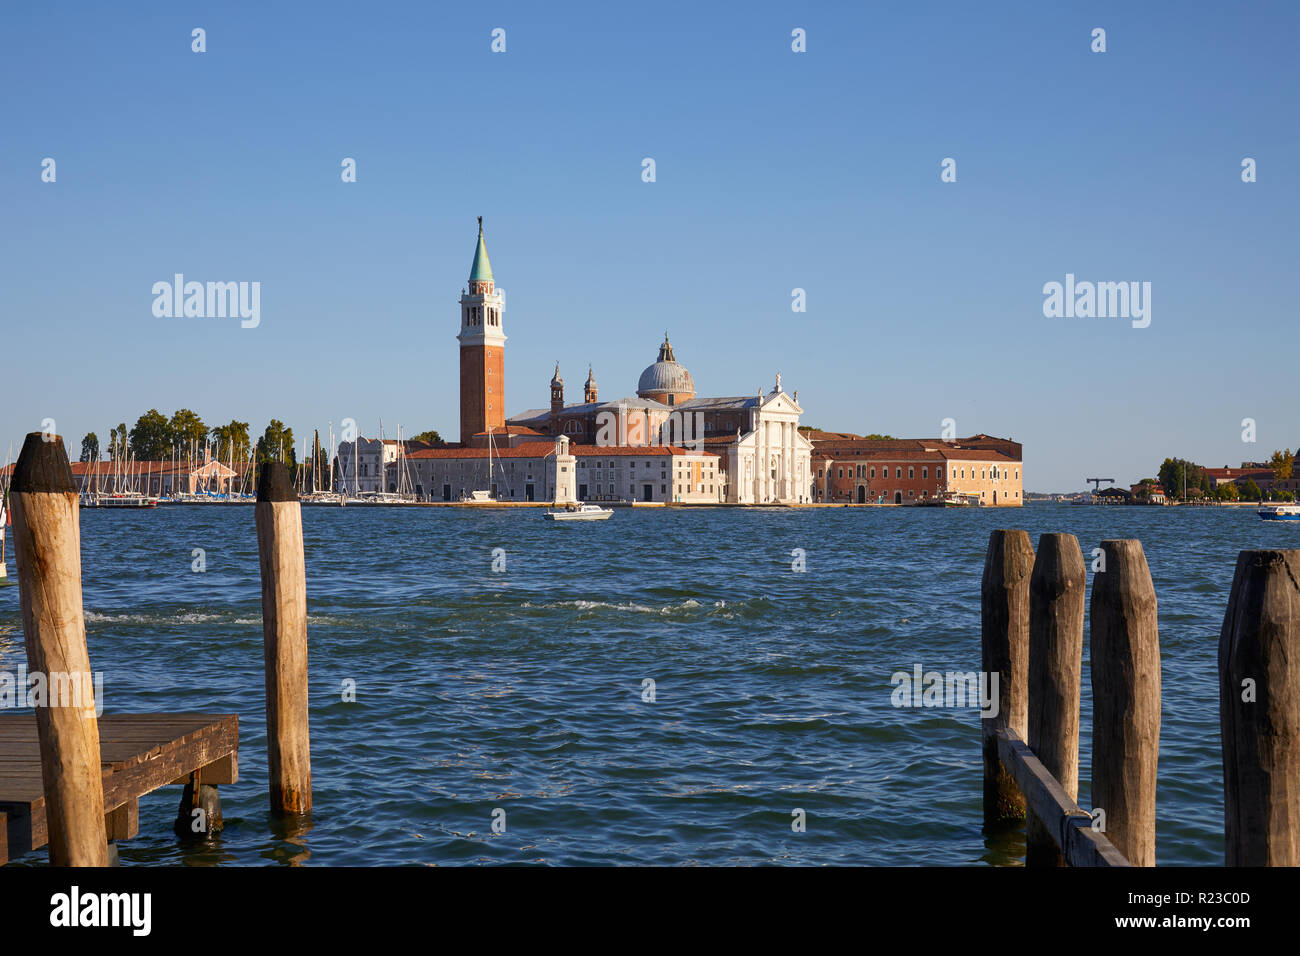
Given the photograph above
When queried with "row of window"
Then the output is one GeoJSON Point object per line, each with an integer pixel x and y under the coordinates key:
{"type": "Point", "coordinates": [861, 471]}
{"type": "Point", "coordinates": [583, 464]}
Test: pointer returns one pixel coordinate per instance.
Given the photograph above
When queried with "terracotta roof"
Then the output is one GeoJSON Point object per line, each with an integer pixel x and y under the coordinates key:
{"type": "Point", "coordinates": [1231, 474]}
{"type": "Point", "coordinates": [920, 452]}
{"type": "Point", "coordinates": [107, 469]}
{"type": "Point", "coordinates": [532, 450]}
{"type": "Point", "coordinates": [511, 430]}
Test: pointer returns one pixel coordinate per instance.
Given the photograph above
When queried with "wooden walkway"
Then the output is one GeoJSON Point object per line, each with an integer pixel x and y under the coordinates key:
{"type": "Point", "coordinates": [139, 753]}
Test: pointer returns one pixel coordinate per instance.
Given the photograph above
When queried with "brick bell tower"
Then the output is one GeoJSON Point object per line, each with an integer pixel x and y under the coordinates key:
{"type": "Point", "coordinates": [482, 350]}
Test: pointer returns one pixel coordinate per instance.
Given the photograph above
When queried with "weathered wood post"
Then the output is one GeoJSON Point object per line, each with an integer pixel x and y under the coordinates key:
{"type": "Point", "coordinates": [47, 544]}
{"type": "Point", "coordinates": [284, 630]}
{"type": "Point", "coordinates": [1259, 711]}
{"type": "Point", "coordinates": [1124, 655]}
{"type": "Point", "coordinates": [1056, 601]}
{"type": "Point", "coordinates": [1004, 651]}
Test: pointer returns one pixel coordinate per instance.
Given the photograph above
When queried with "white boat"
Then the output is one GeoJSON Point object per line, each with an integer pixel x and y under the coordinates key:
{"type": "Point", "coordinates": [580, 512]}
{"type": "Point", "coordinates": [1280, 513]}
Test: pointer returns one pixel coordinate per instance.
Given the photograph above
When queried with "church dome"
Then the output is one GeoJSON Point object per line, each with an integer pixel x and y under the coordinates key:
{"type": "Point", "coordinates": [665, 376]}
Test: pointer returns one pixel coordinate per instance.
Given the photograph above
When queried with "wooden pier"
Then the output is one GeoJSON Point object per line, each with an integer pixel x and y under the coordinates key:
{"type": "Point", "coordinates": [139, 753]}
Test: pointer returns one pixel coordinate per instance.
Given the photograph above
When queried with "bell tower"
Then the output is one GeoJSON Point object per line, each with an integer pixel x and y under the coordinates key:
{"type": "Point", "coordinates": [482, 349]}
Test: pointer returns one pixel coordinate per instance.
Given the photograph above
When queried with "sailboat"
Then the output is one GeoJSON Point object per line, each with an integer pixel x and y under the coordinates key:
{"type": "Point", "coordinates": [478, 496]}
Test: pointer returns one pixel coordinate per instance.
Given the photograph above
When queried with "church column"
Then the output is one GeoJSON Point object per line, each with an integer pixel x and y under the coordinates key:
{"type": "Point", "coordinates": [785, 461]}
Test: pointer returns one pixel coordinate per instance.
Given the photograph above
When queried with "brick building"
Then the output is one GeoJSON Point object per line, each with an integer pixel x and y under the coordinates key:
{"type": "Point", "coordinates": [848, 468]}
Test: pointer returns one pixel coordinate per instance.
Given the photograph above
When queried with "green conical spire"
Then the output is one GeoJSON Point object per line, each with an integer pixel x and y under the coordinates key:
{"type": "Point", "coordinates": [481, 271]}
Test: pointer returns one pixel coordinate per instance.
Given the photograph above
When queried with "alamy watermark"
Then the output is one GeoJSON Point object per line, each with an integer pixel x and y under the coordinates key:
{"type": "Point", "coordinates": [80, 690]}
{"type": "Point", "coordinates": [1100, 300]}
{"type": "Point", "coordinates": [922, 688]}
{"type": "Point", "coordinates": [212, 300]}
{"type": "Point", "coordinates": [680, 429]}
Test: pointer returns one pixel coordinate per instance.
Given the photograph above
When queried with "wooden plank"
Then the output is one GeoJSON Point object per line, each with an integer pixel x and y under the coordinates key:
{"type": "Point", "coordinates": [138, 757]}
{"type": "Point", "coordinates": [123, 823]}
{"type": "Point", "coordinates": [1067, 823]}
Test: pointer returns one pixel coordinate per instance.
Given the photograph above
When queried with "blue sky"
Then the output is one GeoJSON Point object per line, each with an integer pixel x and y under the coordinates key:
{"type": "Point", "coordinates": [775, 170]}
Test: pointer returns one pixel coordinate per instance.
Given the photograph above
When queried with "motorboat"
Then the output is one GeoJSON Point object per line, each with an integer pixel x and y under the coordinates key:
{"type": "Point", "coordinates": [579, 512]}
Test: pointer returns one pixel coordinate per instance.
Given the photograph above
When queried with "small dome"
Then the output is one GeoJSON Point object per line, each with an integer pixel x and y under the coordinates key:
{"type": "Point", "coordinates": [666, 375]}
{"type": "Point", "coordinates": [556, 380]}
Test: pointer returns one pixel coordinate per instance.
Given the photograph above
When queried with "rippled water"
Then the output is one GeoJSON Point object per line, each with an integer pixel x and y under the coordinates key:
{"type": "Point", "coordinates": [522, 690]}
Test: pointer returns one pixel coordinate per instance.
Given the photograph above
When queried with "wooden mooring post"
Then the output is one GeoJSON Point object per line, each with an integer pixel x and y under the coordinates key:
{"type": "Point", "coordinates": [47, 546]}
{"type": "Point", "coordinates": [1004, 650]}
{"type": "Point", "coordinates": [278, 515]}
{"type": "Point", "coordinates": [1259, 711]}
{"type": "Point", "coordinates": [1056, 603]}
{"type": "Point", "coordinates": [1124, 656]}
{"type": "Point", "coordinates": [1126, 697]}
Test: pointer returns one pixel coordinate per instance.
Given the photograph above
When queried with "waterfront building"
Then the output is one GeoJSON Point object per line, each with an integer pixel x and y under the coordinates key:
{"type": "Point", "coordinates": [529, 472]}
{"type": "Point", "coordinates": [850, 468]}
{"type": "Point", "coordinates": [763, 456]}
{"type": "Point", "coordinates": [368, 465]}
{"type": "Point", "coordinates": [1261, 474]}
{"type": "Point", "coordinates": [664, 443]}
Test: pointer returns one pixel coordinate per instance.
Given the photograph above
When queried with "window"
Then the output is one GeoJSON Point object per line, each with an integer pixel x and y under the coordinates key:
{"type": "Point", "coordinates": [841, 472]}
{"type": "Point", "coordinates": [873, 471]}
{"type": "Point", "coordinates": [925, 471]}
{"type": "Point", "coordinates": [911, 472]}
{"type": "Point", "coordinates": [898, 472]}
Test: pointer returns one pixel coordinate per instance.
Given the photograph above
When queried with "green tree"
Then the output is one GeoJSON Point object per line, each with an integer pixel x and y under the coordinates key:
{"type": "Point", "coordinates": [188, 430]}
{"type": "Point", "coordinates": [1250, 491]}
{"type": "Point", "coordinates": [1281, 462]}
{"type": "Point", "coordinates": [430, 437]}
{"type": "Point", "coordinates": [231, 438]}
{"type": "Point", "coordinates": [90, 447]}
{"type": "Point", "coordinates": [1227, 491]}
{"type": "Point", "coordinates": [1179, 473]}
{"type": "Point", "coordinates": [151, 438]}
{"type": "Point", "coordinates": [276, 443]}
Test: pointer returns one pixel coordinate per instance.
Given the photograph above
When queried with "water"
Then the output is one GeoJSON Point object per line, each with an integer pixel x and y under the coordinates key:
{"type": "Point", "coordinates": [523, 690]}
